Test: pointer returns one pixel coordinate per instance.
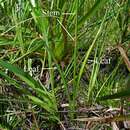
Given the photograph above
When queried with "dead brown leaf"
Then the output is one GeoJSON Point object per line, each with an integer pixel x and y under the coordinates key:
{"type": "Point", "coordinates": [124, 56]}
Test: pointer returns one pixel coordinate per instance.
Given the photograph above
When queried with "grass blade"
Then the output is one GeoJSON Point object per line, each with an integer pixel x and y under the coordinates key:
{"type": "Point", "coordinates": [93, 10]}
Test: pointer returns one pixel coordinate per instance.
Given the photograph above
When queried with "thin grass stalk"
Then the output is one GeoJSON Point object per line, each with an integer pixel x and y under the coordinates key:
{"type": "Point", "coordinates": [87, 56]}
{"type": "Point", "coordinates": [75, 57]}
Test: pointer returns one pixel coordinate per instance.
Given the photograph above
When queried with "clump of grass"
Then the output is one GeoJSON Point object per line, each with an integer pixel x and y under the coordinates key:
{"type": "Point", "coordinates": [59, 38]}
